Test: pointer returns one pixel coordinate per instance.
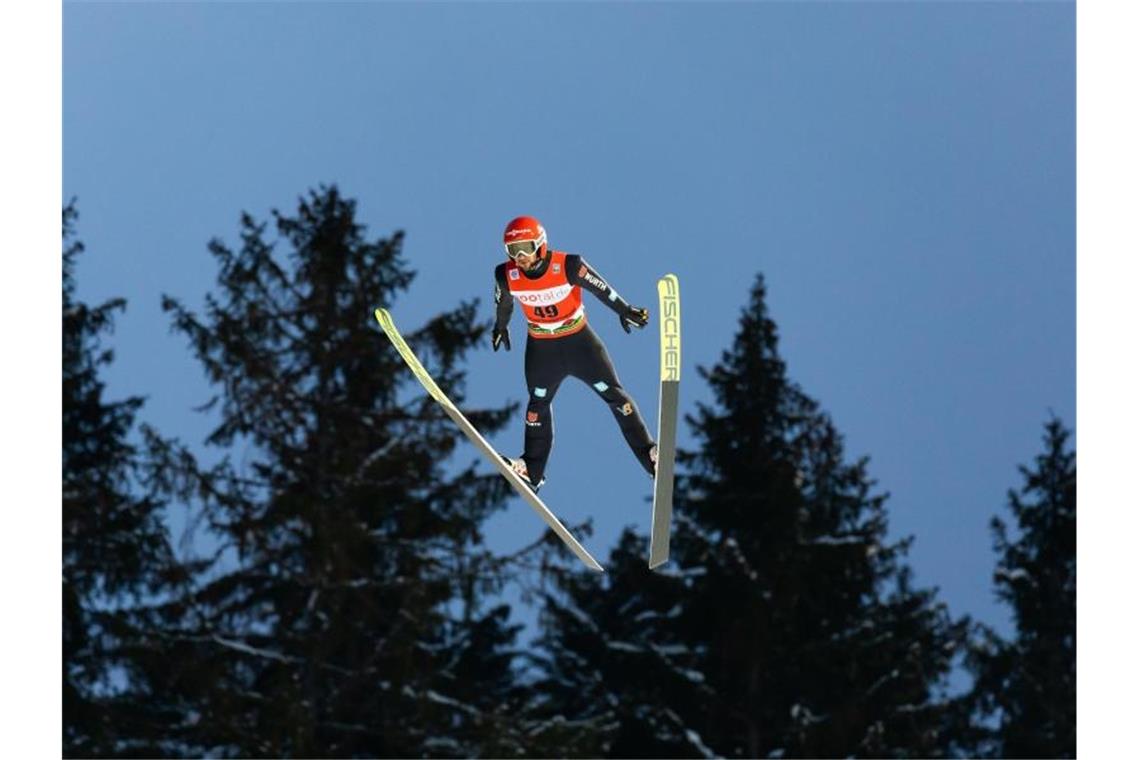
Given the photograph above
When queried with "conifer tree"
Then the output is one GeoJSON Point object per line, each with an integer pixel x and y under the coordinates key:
{"type": "Point", "coordinates": [116, 552]}
{"type": "Point", "coordinates": [348, 612]}
{"type": "Point", "coordinates": [786, 623]}
{"type": "Point", "coordinates": [1029, 684]}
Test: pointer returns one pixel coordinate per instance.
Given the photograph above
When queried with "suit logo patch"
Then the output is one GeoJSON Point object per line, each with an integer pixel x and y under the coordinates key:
{"type": "Point", "coordinates": [557, 268]}
{"type": "Point", "coordinates": [599, 284]}
{"type": "Point", "coordinates": [545, 296]}
{"type": "Point", "coordinates": [626, 409]}
{"type": "Point", "coordinates": [514, 274]}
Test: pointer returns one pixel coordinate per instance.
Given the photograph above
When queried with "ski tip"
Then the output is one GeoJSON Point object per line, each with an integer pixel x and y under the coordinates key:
{"type": "Point", "coordinates": [384, 317]}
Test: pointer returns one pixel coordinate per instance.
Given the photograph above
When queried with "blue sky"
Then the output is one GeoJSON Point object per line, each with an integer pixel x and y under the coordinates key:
{"type": "Point", "coordinates": [902, 174]}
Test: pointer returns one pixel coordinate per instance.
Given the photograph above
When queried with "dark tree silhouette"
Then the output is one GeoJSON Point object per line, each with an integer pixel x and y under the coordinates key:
{"type": "Point", "coordinates": [785, 625]}
{"type": "Point", "coordinates": [1029, 685]}
{"type": "Point", "coordinates": [116, 552]}
{"type": "Point", "coordinates": [348, 612]}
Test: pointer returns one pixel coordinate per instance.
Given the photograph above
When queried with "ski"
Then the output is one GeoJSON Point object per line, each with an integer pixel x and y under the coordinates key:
{"type": "Point", "coordinates": [669, 303]}
{"type": "Point", "coordinates": [389, 327]}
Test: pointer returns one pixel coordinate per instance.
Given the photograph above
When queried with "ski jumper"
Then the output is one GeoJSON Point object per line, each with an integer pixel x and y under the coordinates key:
{"type": "Point", "coordinates": [560, 343]}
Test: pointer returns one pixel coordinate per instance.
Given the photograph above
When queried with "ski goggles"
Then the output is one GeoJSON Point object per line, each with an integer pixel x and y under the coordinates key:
{"type": "Point", "coordinates": [522, 248]}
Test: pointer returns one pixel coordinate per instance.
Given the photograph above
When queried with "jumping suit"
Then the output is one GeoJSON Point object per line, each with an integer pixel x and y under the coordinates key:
{"type": "Point", "coordinates": [560, 343]}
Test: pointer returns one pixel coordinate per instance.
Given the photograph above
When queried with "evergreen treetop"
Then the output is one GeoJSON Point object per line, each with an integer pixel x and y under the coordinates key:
{"type": "Point", "coordinates": [787, 624]}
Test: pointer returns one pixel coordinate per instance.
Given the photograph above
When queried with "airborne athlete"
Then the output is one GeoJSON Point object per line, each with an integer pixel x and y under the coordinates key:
{"type": "Point", "coordinates": [548, 286]}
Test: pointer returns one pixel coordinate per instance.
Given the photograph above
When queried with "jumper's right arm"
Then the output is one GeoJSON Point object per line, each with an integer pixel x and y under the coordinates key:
{"type": "Point", "coordinates": [504, 305]}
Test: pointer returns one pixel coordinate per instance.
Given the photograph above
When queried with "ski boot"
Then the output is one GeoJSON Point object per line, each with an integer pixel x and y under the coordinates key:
{"type": "Point", "coordinates": [648, 460]}
{"type": "Point", "coordinates": [519, 466]}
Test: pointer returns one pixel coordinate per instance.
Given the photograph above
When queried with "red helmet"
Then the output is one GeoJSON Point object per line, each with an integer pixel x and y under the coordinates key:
{"type": "Point", "coordinates": [524, 236]}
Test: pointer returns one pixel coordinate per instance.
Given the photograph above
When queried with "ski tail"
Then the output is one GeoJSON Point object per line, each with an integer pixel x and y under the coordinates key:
{"type": "Point", "coordinates": [669, 304]}
{"type": "Point", "coordinates": [488, 451]}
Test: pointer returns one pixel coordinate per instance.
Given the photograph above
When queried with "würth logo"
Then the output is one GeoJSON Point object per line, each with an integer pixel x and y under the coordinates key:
{"type": "Point", "coordinates": [584, 274]}
{"type": "Point", "coordinates": [596, 282]}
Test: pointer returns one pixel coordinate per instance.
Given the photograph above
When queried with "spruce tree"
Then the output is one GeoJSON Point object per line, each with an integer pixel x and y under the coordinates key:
{"type": "Point", "coordinates": [1029, 684]}
{"type": "Point", "coordinates": [786, 623]}
{"type": "Point", "coordinates": [348, 611]}
{"type": "Point", "coordinates": [116, 552]}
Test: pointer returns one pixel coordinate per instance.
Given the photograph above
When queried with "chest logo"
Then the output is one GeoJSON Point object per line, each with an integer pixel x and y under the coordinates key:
{"type": "Point", "coordinates": [543, 296]}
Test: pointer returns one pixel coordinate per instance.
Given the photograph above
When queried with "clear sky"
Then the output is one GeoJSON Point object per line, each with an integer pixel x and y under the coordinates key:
{"type": "Point", "coordinates": [902, 173]}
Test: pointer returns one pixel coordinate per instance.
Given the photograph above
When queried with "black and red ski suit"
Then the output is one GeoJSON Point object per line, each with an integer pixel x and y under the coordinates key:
{"type": "Point", "coordinates": [560, 343]}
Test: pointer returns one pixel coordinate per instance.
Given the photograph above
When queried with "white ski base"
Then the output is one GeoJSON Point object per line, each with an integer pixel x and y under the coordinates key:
{"type": "Point", "coordinates": [531, 498]}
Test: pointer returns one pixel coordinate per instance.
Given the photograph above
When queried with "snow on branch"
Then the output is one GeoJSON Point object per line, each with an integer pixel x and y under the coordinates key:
{"type": "Point", "coordinates": [622, 646]}
{"type": "Point", "coordinates": [255, 651]}
{"type": "Point", "coordinates": [844, 540]}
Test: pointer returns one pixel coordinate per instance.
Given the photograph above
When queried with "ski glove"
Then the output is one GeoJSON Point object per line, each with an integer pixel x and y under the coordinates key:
{"type": "Point", "coordinates": [634, 316]}
{"type": "Point", "coordinates": [501, 336]}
